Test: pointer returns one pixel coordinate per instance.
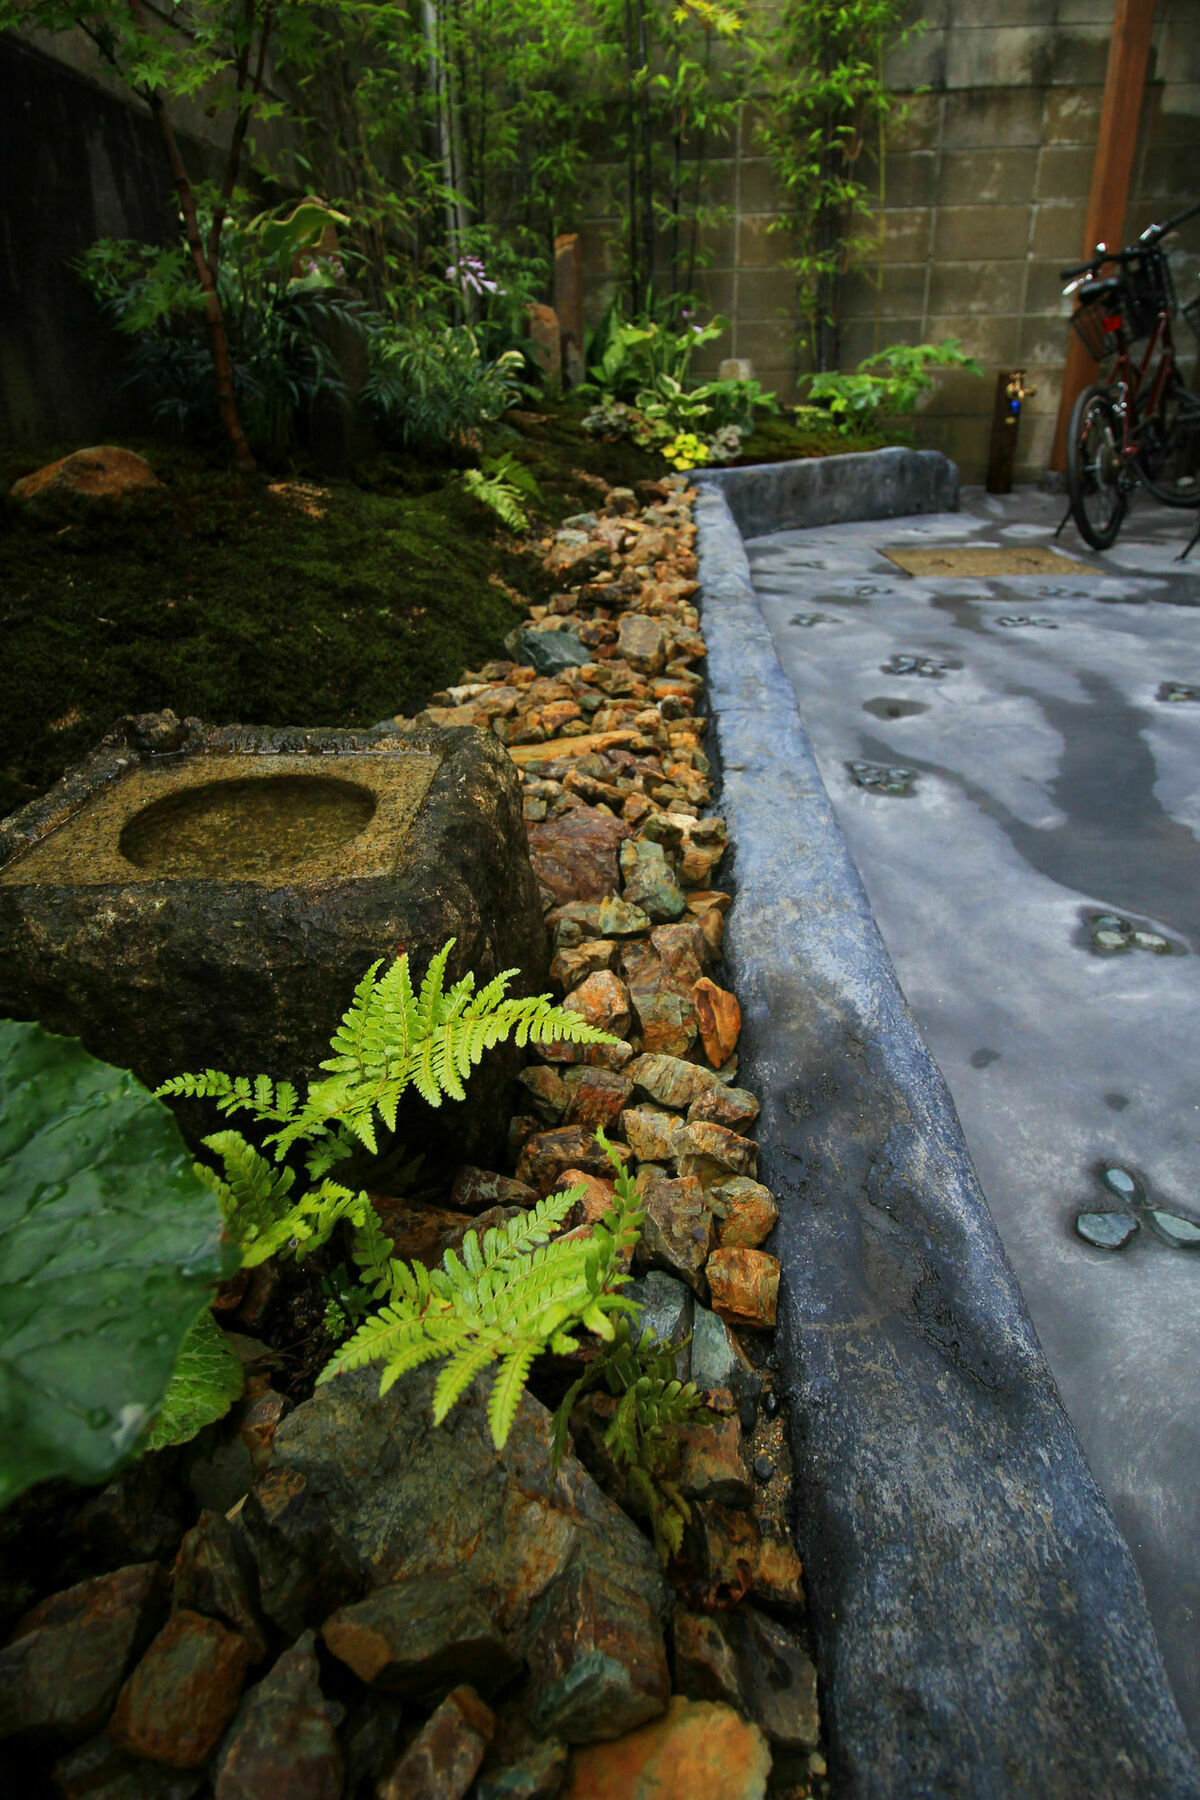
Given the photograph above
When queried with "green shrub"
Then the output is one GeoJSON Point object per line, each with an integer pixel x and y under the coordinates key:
{"type": "Point", "coordinates": [884, 386]}
{"type": "Point", "coordinates": [430, 388]}
{"type": "Point", "coordinates": [280, 296]}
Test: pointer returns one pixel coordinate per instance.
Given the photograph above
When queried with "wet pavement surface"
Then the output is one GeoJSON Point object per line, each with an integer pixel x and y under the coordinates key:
{"type": "Point", "coordinates": [1015, 763]}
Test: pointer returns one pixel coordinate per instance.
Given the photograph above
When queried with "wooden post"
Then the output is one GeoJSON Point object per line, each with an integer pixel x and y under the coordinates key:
{"type": "Point", "coordinates": [568, 303]}
{"type": "Point", "coordinates": [1128, 56]}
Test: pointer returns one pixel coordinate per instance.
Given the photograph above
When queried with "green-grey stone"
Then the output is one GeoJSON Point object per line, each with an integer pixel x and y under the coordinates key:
{"type": "Point", "coordinates": [1150, 940]}
{"type": "Point", "coordinates": [1120, 1182]}
{"type": "Point", "coordinates": [1106, 1230]}
{"type": "Point", "coordinates": [1110, 940]}
{"type": "Point", "coordinates": [1174, 1229]}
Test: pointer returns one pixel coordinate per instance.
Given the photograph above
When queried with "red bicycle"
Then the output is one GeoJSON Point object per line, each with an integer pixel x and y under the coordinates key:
{"type": "Point", "coordinates": [1140, 425]}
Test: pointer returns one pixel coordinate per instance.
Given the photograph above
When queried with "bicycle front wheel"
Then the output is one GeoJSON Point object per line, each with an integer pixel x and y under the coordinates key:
{"type": "Point", "coordinates": [1169, 448]}
{"type": "Point", "coordinates": [1097, 495]}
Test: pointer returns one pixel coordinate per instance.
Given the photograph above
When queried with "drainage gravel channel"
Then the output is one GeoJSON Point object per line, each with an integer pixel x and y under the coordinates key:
{"type": "Point", "coordinates": [992, 765]}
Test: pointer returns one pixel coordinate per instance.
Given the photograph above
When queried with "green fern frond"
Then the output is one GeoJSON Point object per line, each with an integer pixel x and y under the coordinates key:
{"type": "Point", "coordinates": [501, 496]}
{"type": "Point", "coordinates": [502, 1301]}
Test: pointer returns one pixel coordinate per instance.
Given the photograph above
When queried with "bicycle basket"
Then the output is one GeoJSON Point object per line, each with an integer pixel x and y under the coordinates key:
{"type": "Point", "coordinates": [1092, 324]}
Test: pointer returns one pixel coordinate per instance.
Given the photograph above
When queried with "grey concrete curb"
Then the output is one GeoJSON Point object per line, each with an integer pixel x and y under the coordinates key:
{"type": "Point", "coordinates": [980, 1628]}
{"type": "Point", "coordinates": [833, 490]}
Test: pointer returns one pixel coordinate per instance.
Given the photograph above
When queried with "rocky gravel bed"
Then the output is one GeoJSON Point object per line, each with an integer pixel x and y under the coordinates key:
{"type": "Point", "coordinates": [339, 1599]}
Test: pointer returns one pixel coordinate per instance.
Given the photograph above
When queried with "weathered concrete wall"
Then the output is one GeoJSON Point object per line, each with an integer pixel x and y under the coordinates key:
{"type": "Point", "coordinates": [81, 159]}
{"type": "Point", "coordinates": [79, 164]}
{"type": "Point", "coordinates": [984, 190]}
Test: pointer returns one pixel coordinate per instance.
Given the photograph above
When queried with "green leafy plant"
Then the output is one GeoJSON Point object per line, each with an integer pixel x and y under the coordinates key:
{"type": "Point", "coordinates": [653, 1405]}
{"type": "Point", "coordinates": [884, 386]}
{"type": "Point", "coordinates": [430, 387]}
{"type": "Point", "coordinates": [826, 104]}
{"type": "Point", "coordinates": [207, 1379]}
{"type": "Point", "coordinates": [391, 1038]}
{"type": "Point", "coordinates": [109, 1247]}
{"type": "Point", "coordinates": [508, 1299]}
{"type": "Point", "coordinates": [500, 485]}
{"type": "Point", "coordinates": [280, 288]}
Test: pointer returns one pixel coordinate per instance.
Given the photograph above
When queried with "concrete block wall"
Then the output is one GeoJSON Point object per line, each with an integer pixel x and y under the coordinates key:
{"type": "Point", "coordinates": [982, 200]}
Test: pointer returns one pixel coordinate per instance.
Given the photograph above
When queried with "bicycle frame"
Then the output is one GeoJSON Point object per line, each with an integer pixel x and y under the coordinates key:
{"type": "Point", "coordinates": [1129, 378]}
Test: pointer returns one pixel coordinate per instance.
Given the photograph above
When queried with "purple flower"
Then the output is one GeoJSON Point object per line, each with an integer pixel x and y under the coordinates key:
{"type": "Point", "coordinates": [469, 274]}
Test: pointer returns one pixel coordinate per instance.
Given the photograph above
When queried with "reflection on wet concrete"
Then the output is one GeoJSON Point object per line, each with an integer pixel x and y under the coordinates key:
{"type": "Point", "coordinates": [1058, 790]}
{"type": "Point", "coordinates": [1115, 838]}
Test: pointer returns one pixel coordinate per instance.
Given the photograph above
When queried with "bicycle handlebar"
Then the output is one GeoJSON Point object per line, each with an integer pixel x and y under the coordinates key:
{"type": "Point", "coordinates": [1148, 239]}
{"type": "Point", "coordinates": [1146, 242]}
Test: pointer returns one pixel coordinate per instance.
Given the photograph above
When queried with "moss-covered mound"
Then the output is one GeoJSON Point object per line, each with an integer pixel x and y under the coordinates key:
{"type": "Point", "coordinates": [272, 601]}
{"type": "Point", "coordinates": [278, 600]}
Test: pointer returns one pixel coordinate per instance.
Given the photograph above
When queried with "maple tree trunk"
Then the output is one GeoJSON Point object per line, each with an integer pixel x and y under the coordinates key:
{"type": "Point", "coordinates": [214, 318]}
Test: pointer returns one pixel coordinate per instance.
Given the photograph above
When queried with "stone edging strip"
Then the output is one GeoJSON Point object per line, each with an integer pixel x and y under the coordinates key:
{"type": "Point", "coordinates": [980, 1626]}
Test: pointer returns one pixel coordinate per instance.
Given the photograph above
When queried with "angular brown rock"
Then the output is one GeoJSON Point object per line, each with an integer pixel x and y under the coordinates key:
{"type": "Point", "coordinates": [698, 1747]}
{"type": "Point", "coordinates": [478, 1190]}
{"type": "Point", "coordinates": [547, 1154]}
{"type": "Point", "coordinates": [744, 1285]}
{"type": "Point", "coordinates": [283, 1743]}
{"type": "Point", "coordinates": [745, 1211]}
{"type": "Point", "coordinates": [570, 967]}
{"type": "Point", "coordinates": [720, 1021]}
{"type": "Point", "coordinates": [714, 1153]}
{"type": "Point", "coordinates": [601, 1000]}
{"type": "Point", "coordinates": [175, 1706]}
{"type": "Point", "coordinates": [732, 1107]}
{"type": "Point", "coordinates": [209, 1578]}
{"type": "Point", "coordinates": [712, 1462]}
{"type": "Point", "coordinates": [575, 856]}
{"type": "Point", "coordinates": [422, 1637]}
{"type": "Point", "coordinates": [596, 1657]}
{"type": "Point", "coordinates": [677, 1232]}
{"type": "Point", "coordinates": [596, 1097]}
{"type": "Point", "coordinates": [442, 1760]}
{"type": "Point", "coordinates": [670, 1080]}
{"type": "Point", "coordinates": [62, 1670]}
{"type": "Point", "coordinates": [649, 1133]}
{"type": "Point", "coordinates": [642, 643]}
{"type": "Point", "coordinates": [705, 1665]}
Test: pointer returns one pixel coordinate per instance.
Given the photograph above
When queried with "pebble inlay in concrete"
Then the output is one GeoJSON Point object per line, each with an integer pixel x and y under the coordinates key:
{"type": "Point", "coordinates": [1109, 934]}
{"type": "Point", "coordinates": [817, 618]}
{"type": "Point", "coordinates": [1179, 690]}
{"type": "Point", "coordinates": [1114, 1230]}
{"type": "Point", "coordinates": [1018, 621]}
{"type": "Point", "coordinates": [932, 667]}
{"type": "Point", "coordinates": [878, 778]}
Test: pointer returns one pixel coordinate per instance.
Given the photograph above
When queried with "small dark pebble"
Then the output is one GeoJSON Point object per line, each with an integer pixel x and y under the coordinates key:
{"type": "Point", "coordinates": [764, 1468]}
{"type": "Point", "coordinates": [770, 1403]}
{"type": "Point", "coordinates": [748, 1413]}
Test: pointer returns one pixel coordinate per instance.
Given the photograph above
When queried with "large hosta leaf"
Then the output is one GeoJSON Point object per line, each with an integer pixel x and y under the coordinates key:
{"type": "Point", "coordinates": [109, 1245]}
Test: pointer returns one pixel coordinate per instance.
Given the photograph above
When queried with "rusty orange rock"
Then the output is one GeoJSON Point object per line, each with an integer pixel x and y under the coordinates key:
{"type": "Point", "coordinates": [104, 472]}
{"type": "Point", "coordinates": [698, 1747]}
{"type": "Point", "coordinates": [744, 1285]}
{"type": "Point", "coordinates": [177, 1703]}
{"type": "Point", "coordinates": [602, 1000]}
{"type": "Point", "coordinates": [720, 1020]}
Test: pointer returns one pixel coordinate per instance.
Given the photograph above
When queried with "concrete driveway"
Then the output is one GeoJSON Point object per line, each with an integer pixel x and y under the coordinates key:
{"type": "Point", "coordinates": [1015, 763]}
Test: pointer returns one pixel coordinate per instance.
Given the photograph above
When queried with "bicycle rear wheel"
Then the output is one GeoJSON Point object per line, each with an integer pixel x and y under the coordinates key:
{"type": "Point", "coordinates": [1169, 448]}
{"type": "Point", "coordinates": [1094, 484]}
